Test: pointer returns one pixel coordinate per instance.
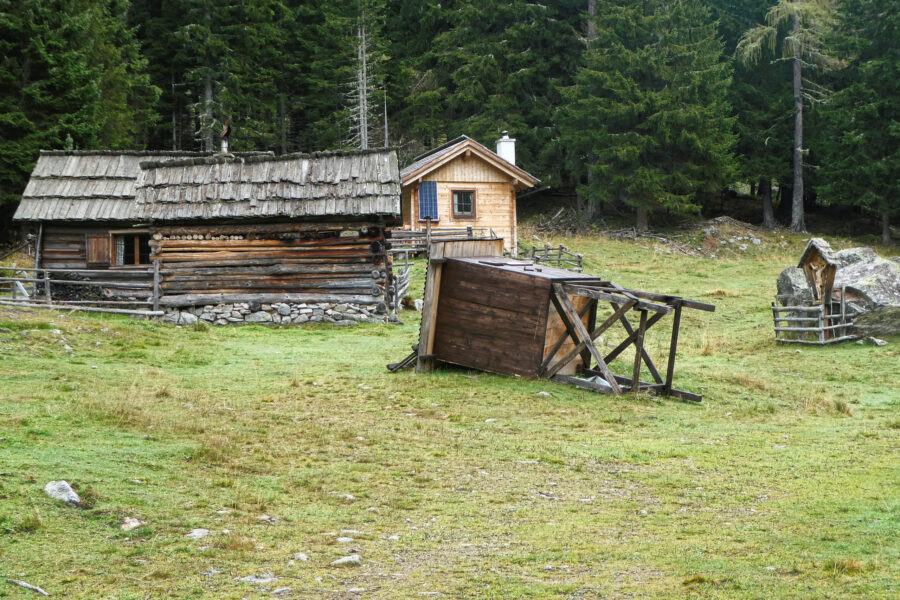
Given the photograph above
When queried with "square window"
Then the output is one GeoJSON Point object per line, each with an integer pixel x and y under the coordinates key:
{"type": "Point", "coordinates": [132, 249]}
{"type": "Point", "coordinates": [463, 204]}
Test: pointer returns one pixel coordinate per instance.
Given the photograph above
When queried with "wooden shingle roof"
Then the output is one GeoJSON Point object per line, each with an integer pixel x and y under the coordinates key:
{"type": "Point", "coordinates": [86, 185]}
{"type": "Point", "coordinates": [363, 183]}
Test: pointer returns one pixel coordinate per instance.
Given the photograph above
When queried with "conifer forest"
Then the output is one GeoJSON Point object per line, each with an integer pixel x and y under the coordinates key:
{"type": "Point", "coordinates": [649, 108]}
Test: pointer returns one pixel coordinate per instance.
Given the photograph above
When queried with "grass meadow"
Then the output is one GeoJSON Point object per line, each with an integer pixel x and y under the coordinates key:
{"type": "Point", "coordinates": [783, 483]}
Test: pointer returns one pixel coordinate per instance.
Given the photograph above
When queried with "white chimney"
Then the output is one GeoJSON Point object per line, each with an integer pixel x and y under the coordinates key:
{"type": "Point", "coordinates": [506, 148]}
{"type": "Point", "coordinates": [224, 146]}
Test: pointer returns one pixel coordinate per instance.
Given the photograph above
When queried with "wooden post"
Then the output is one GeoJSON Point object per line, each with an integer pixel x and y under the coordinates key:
{"type": "Point", "coordinates": [37, 246]}
{"type": "Point", "coordinates": [427, 235]}
{"type": "Point", "coordinates": [673, 347]}
{"type": "Point", "coordinates": [156, 284]}
{"type": "Point", "coordinates": [425, 362]}
{"type": "Point", "coordinates": [822, 322]}
{"type": "Point", "coordinates": [638, 353]}
{"type": "Point", "coordinates": [47, 293]}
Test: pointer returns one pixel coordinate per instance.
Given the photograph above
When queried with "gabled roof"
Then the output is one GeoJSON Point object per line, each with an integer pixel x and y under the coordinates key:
{"type": "Point", "coordinates": [86, 185]}
{"type": "Point", "coordinates": [438, 157]}
{"type": "Point", "coordinates": [363, 183]}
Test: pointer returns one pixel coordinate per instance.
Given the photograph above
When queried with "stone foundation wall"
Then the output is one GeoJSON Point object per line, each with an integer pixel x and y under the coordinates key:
{"type": "Point", "coordinates": [281, 313]}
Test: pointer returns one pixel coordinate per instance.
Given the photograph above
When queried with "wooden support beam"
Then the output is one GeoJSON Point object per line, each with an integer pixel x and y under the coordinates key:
{"type": "Point", "coordinates": [630, 339]}
{"type": "Point", "coordinates": [651, 366]}
{"type": "Point", "coordinates": [562, 339]}
{"type": "Point", "coordinates": [673, 347]}
{"type": "Point", "coordinates": [429, 306]}
{"type": "Point", "coordinates": [568, 313]}
{"type": "Point", "coordinates": [156, 284]}
{"type": "Point", "coordinates": [638, 353]}
{"type": "Point", "coordinates": [579, 290]}
{"type": "Point", "coordinates": [548, 371]}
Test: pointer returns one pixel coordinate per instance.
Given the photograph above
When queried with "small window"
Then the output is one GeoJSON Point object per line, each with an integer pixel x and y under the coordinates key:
{"type": "Point", "coordinates": [132, 249]}
{"type": "Point", "coordinates": [463, 204]}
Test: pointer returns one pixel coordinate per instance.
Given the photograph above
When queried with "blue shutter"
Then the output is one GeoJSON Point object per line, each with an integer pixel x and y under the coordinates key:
{"type": "Point", "coordinates": [428, 200]}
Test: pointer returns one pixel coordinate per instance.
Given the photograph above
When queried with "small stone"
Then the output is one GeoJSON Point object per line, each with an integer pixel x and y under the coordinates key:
{"type": "Point", "coordinates": [282, 591]}
{"type": "Point", "coordinates": [196, 534]}
{"type": "Point", "coordinates": [259, 579]}
{"type": "Point", "coordinates": [301, 556]}
{"type": "Point", "coordinates": [545, 394]}
{"type": "Point", "coordinates": [56, 332]}
{"type": "Point", "coordinates": [349, 561]}
{"type": "Point", "coordinates": [284, 310]}
{"type": "Point", "coordinates": [344, 540]}
{"type": "Point", "coordinates": [490, 420]}
{"type": "Point", "coordinates": [394, 538]}
{"type": "Point", "coordinates": [210, 573]}
{"type": "Point", "coordinates": [418, 304]}
{"type": "Point", "coordinates": [756, 241]}
{"type": "Point", "coordinates": [129, 523]}
{"type": "Point", "coordinates": [267, 519]}
{"type": "Point", "coordinates": [259, 317]}
{"type": "Point", "coordinates": [221, 322]}
{"type": "Point", "coordinates": [61, 490]}
{"type": "Point", "coordinates": [67, 347]}
{"type": "Point", "coordinates": [876, 341]}
{"type": "Point", "coordinates": [187, 318]}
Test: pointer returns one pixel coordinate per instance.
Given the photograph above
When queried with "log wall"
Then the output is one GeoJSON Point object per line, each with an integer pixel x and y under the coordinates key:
{"type": "Point", "coordinates": [65, 247]}
{"type": "Point", "coordinates": [267, 263]}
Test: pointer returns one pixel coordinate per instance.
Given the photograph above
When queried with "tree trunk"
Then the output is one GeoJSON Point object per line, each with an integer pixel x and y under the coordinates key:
{"type": "Point", "coordinates": [798, 223]}
{"type": "Point", "coordinates": [362, 82]}
{"type": "Point", "coordinates": [885, 228]}
{"type": "Point", "coordinates": [642, 221]}
{"type": "Point", "coordinates": [282, 118]}
{"type": "Point", "coordinates": [591, 29]}
{"type": "Point", "coordinates": [208, 143]}
{"type": "Point", "coordinates": [765, 191]}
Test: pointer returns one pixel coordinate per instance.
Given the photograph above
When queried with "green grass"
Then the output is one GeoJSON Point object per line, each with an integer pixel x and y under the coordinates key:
{"type": "Point", "coordinates": [782, 484]}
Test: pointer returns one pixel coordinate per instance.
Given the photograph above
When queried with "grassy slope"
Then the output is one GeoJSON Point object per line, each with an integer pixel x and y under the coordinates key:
{"type": "Point", "coordinates": [783, 484]}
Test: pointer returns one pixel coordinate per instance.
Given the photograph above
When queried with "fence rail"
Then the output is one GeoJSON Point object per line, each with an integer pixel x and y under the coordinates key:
{"type": "Point", "coordinates": [38, 287]}
{"type": "Point", "coordinates": [558, 256]}
{"type": "Point", "coordinates": [824, 327]}
{"type": "Point", "coordinates": [417, 241]}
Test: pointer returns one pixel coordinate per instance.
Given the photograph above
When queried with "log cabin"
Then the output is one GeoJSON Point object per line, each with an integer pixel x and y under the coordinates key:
{"type": "Point", "coordinates": [222, 237]}
{"type": "Point", "coordinates": [463, 184]}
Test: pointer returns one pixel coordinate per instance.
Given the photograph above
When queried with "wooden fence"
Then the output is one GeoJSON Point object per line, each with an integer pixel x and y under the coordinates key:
{"type": "Point", "coordinates": [417, 241]}
{"type": "Point", "coordinates": [135, 291]}
{"type": "Point", "coordinates": [812, 324]}
{"type": "Point", "coordinates": [559, 256]}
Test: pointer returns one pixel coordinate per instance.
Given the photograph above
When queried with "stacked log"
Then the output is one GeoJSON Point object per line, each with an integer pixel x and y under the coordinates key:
{"type": "Point", "coordinates": [266, 263]}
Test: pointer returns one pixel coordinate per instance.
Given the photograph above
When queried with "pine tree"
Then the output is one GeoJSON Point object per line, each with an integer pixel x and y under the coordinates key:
{"type": "Point", "coordinates": [862, 165]}
{"type": "Point", "coordinates": [647, 121]}
{"type": "Point", "coordinates": [67, 68]}
{"type": "Point", "coordinates": [802, 27]}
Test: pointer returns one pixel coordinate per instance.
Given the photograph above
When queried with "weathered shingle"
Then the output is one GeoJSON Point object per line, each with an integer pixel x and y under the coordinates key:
{"type": "Point", "coordinates": [87, 186]}
{"type": "Point", "coordinates": [296, 185]}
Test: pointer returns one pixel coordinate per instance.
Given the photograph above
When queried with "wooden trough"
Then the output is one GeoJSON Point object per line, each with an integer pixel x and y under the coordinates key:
{"type": "Point", "coordinates": [509, 316]}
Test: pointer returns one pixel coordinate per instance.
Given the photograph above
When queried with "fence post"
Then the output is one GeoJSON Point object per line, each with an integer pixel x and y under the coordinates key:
{"type": "Point", "coordinates": [427, 236]}
{"type": "Point", "coordinates": [156, 284]}
{"type": "Point", "coordinates": [822, 322]}
{"type": "Point", "coordinates": [47, 286]}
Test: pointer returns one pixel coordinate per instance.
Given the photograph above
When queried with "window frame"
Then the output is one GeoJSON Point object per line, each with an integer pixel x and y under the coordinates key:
{"type": "Point", "coordinates": [126, 233]}
{"type": "Point", "coordinates": [463, 216]}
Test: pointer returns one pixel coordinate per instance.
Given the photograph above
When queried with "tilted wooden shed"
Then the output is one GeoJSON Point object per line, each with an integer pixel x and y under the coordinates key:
{"type": "Point", "coordinates": [510, 316]}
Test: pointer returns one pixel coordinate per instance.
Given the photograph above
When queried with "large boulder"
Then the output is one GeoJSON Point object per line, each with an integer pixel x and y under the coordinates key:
{"type": "Point", "coordinates": [872, 286]}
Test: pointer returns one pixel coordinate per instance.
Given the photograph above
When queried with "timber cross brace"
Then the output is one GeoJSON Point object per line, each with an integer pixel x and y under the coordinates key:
{"type": "Point", "coordinates": [622, 301]}
{"type": "Point", "coordinates": [514, 317]}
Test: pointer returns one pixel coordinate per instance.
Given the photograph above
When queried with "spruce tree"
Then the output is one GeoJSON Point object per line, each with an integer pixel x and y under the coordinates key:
{"type": "Point", "coordinates": [862, 160]}
{"type": "Point", "coordinates": [648, 118]}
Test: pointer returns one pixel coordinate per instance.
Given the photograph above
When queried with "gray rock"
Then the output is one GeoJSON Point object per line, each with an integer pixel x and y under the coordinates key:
{"type": "Point", "coordinates": [345, 540]}
{"type": "Point", "coordinates": [284, 310]}
{"type": "Point", "coordinates": [61, 490]}
{"type": "Point", "coordinates": [197, 534]}
{"type": "Point", "coordinates": [883, 320]}
{"type": "Point", "coordinates": [301, 319]}
{"type": "Point", "coordinates": [129, 523]}
{"type": "Point", "coordinates": [793, 289]}
{"type": "Point", "coordinates": [187, 319]}
{"type": "Point", "coordinates": [347, 561]}
{"type": "Point", "coordinates": [221, 322]}
{"type": "Point", "coordinates": [418, 304]}
{"type": "Point", "coordinates": [876, 341]}
{"type": "Point", "coordinates": [301, 556]}
{"type": "Point", "coordinates": [262, 579]}
{"type": "Point", "coordinates": [282, 591]}
{"type": "Point", "coordinates": [258, 317]}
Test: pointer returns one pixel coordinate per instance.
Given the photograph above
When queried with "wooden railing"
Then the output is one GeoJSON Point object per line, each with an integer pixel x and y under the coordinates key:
{"type": "Point", "coordinates": [36, 287]}
{"type": "Point", "coordinates": [417, 241]}
{"type": "Point", "coordinates": [558, 256]}
{"type": "Point", "coordinates": [812, 325]}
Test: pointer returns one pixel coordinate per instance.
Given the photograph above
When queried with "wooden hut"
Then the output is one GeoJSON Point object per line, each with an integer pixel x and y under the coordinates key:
{"type": "Point", "coordinates": [462, 184]}
{"type": "Point", "coordinates": [80, 206]}
{"type": "Point", "coordinates": [200, 233]}
{"type": "Point", "coordinates": [514, 317]}
{"type": "Point", "coordinates": [294, 229]}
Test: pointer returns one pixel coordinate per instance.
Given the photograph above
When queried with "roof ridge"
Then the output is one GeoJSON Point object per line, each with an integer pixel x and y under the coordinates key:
{"type": "Point", "coordinates": [258, 158]}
